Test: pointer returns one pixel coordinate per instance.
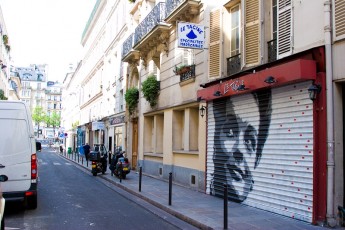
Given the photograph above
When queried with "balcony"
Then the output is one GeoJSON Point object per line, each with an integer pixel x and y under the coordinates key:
{"type": "Point", "coordinates": [128, 53]}
{"type": "Point", "coordinates": [181, 10]}
{"type": "Point", "coordinates": [272, 50]}
{"type": "Point", "coordinates": [233, 64]}
{"type": "Point", "coordinates": [187, 73]}
{"type": "Point", "coordinates": [152, 32]}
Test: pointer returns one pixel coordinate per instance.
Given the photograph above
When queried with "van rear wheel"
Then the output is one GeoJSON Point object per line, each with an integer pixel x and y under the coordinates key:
{"type": "Point", "coordinates": [31, 202]}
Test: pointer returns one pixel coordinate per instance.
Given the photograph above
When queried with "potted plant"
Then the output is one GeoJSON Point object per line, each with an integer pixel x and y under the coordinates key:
{"type": "Point", "coordinates": [150, 89]}
{"type": "Point", "coordinates": [181, 69]}
{"type": "Point", "coordinates": [132, 99]}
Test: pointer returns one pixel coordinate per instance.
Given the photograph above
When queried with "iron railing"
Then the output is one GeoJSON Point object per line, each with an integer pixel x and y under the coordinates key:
{"type": "Point", "coordinates": [171, 5]}
{"type": "Point", "coordinates": [233, 64]}
{"type": "Point", "coordinates": [127, 45]}
{"type": "Point", "coordinates": [272, 50]}
{"type": "Point", "coordinates": [156, 16]}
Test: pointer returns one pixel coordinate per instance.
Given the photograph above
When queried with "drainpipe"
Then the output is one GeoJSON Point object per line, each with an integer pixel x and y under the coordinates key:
{"type": "Point", "coordinates": [331, 221]}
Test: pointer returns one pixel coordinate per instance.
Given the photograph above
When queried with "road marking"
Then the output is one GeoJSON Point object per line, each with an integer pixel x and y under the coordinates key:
{"type": "Point", "coordinates": [55, 163]}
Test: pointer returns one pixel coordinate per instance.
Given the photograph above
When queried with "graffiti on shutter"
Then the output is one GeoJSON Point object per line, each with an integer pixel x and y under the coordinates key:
{"type": "Point", "coordinates": [261, 146]}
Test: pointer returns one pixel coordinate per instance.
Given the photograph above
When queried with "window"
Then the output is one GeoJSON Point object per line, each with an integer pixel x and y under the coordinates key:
{"type": "Point", "coordinates": [186, 123]}
{"type": "Point", "coordinates": [153, 134]}
{"type": "Point", "coordinates": [121, 100]}
{"type": "Point", "coordinates": [274, 19]}
{"type": "Point", "coordinates": [235, 30]}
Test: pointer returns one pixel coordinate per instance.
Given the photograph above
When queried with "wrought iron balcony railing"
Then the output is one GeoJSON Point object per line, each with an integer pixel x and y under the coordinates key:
{"type": "Point", "coordinates": [272, 50]}
{"type": "Point", "coordinates": [171, 5]}
{"type": "Point", "coordinates": [186, 73]}
{"type": "Point", "coordinates": [127, 45]}
{"type": "Point", "coordinates": [233, 64]}
{"type": "Point", "coordinates": [156, 16]}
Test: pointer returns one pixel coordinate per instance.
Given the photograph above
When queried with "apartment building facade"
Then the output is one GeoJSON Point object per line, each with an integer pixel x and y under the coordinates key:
{"type": "Point", "coordinates": [8, 86]}
{"type": "Point", "coordinates": [98, 84]}
{"type": "Point", "coordinates": [253, 113]}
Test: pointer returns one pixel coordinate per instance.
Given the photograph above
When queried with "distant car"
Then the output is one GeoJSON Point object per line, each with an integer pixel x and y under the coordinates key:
{"type": "Point", "coordinates": [38, 146]}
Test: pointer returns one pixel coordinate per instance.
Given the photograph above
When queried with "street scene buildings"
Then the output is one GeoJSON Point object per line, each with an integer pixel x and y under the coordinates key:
{"type": "Point", "coordinates": [246, 95]}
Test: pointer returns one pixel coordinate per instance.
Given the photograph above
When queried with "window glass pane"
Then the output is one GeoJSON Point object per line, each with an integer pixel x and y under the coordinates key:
{"type": "Point", "coordinates": [235, 30]}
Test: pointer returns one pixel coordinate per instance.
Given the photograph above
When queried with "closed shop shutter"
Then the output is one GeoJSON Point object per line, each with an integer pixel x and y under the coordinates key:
{"type": "Point", "coordinates": [262, 147]}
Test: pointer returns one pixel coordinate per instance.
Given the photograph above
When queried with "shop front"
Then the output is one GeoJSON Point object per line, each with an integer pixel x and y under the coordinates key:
{"type": "Point", "coordinates": [264, 141]}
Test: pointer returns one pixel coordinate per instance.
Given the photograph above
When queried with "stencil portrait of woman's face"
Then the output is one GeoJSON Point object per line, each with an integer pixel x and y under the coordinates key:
{"type": "Point", "coordinates": [241, 129]}
{"type": "Point", "coordinates": [239, 141]}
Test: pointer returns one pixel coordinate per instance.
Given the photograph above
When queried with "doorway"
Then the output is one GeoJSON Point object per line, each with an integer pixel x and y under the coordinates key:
{"type": "Point", "coordinates": [134, 143]}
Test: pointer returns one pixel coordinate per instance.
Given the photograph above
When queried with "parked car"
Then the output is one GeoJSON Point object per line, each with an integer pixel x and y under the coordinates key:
{"type": "Point", "coordinates": [18, 159]}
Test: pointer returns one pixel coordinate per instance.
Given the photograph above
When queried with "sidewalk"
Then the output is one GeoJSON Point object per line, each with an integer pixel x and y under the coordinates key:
{"type": "Point", "coordinates": [199, 209]}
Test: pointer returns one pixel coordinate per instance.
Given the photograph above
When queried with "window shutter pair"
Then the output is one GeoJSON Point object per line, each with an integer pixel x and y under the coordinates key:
{"type": "Point", "coordinates": [251, 53]}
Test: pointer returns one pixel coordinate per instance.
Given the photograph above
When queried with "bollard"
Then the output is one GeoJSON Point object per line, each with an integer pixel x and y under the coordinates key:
{"type": "Point", "coordinates": [170, 187]}
{"type": "Point", "coordinates": [140, 177]}
{"type": "Point", "coordinates": [225, 206]}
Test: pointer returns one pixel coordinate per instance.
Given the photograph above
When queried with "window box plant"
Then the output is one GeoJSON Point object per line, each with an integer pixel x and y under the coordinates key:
{"type": "Point", "coordinates": [182, 69]}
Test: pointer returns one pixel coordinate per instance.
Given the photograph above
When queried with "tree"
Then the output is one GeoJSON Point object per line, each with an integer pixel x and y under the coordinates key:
{"type": "Point", "coordinates": [38, 116]}
{"type": "Point", "coordinates": [53, 120]}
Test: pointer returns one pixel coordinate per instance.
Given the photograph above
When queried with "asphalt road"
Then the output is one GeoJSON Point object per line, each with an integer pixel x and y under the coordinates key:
{"type": "Point", "coordinates": [69, 197]}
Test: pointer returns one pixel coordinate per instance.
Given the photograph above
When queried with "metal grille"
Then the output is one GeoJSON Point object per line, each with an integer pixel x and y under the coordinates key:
{"type": "Point", "coordinates": [283, 177]}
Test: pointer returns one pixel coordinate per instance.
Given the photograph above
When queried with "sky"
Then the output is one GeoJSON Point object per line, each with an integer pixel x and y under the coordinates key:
{"type": "Point", "coordinates": [46, 32]}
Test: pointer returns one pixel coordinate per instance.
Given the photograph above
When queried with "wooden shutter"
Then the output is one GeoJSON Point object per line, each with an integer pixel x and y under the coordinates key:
{"type": "Point", "coordinates": [252, 32]}
{"type": "Point", "coordinates": [339, 18]}
{"type": "Point", "coordinates": [284, 28]}
{"type": "Point", "coordinates": [215, 44]}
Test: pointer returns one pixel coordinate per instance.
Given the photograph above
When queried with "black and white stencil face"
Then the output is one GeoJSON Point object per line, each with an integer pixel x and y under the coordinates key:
{"type": "Point", "coordinates": [239, 137]}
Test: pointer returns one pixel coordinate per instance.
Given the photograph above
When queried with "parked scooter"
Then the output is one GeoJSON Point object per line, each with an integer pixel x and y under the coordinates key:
{"type": "Point", "coordinates": [98, 158]}
{"type": "Point", "coordinates": [120, 165]}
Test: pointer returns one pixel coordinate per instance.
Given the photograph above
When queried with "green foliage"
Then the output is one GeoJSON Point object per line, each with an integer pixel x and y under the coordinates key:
{"type": "Point", "coordinates": [75, 124]}
{"type": "Point", "coordinates": [132, 99]}
{"type": "Point", "coordinates": [5, 39]}
{"type": "Point", "coordinates": [53, 120]}
{"type": "Point", "coordinates": [38, 115]}
{"type": "Point", "coordinates": [150, 89]}
{"type": "Point", "coordinates": [2, 95]}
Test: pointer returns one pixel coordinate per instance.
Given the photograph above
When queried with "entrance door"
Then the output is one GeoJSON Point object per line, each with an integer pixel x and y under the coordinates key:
{"type": "Point", "coordinates": [134, 143]}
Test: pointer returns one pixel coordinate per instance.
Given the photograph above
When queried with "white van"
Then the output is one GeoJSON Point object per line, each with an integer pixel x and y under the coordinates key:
{"type": "Point", "coordinates": [18, 160]}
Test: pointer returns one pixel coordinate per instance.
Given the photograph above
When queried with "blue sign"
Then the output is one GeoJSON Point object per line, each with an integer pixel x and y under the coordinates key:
{"type": "Point", "coordinates": [191, 35]}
